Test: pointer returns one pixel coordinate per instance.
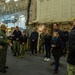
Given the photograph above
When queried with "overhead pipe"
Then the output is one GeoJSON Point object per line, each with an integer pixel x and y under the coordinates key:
{"type": "Point", "coordinates": [28, 11]}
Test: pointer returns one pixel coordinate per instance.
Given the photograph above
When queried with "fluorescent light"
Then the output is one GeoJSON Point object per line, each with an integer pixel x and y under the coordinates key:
{"type": "Point", "coordinates": [22, 16]}
{"type": "Point", "coordinates": [7, 1]}
{"type": "Point", "coordinates": [2, 19]}
{"type": "Point", "coordinates": [12, 17]}
{"type": "Point", "coordinates": [15, 0]}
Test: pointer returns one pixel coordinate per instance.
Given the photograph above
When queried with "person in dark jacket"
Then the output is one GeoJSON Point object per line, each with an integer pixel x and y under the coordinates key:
{"type": "Point", "coordinates": [11, 40]}
{"type": "Point", "coordinates": [56, 50]}
{"type": "Point", "coordinates": [56, 29]}
{"type": "Point", "coordinates": [71, 54]}
{"type": "Point", "coordinates": [34, 41]}
{"type": "Point", "coordinates": [60, 32]}
{"type": "Point", "coordinates": [66, 33]}
{"type": "Point", "coordinates": [16, 44]}
{"type": "Point", "coordinates": [23, 41]}
{"type": "Point", "coordinates": [48, 45]}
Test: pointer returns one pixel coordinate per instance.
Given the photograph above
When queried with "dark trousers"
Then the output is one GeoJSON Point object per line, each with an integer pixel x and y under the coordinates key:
{"type": "Point", "coordinates": [56, 58]}
{"type": "Point", "coordinates": [34, 47]}
{"type": "Point", "coordinates": [62, 48]}
{"type": "Point", "coordinates": [12, 46]}
{"type": "Point", "coordinates": [64, 51]}
{"type": "Point", "coordinates": [3, 55]}
{"type": "Point", "coordinates": [48, 54]}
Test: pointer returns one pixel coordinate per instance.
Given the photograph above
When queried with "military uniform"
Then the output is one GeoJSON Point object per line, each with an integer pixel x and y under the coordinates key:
{"type": "Point", "coordinates": [71, 69]}
{"type": "Point", "coordinates": [23, 41]}
{"type": "Point", "coordinates": [42, 41]}
{"type": "Point", "coordinates": [3, 51]}
{"type": "Point", "coordinates": [71, 53]}
{"type": "Point", "coordinates": [16, 44]}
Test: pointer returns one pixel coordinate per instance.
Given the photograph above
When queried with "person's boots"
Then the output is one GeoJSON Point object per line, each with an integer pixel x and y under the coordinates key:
{"type": "Point", "coordinates": [6, 67]}
{"type": "Point", "coordinates": [18, 54]}
{"type": "Point", "coordinates": [14, 54]}
{"type": "Point", "coordinates": [55, 71]}
{"type": "Point", "coordinates": [52, 63]}
{"type": "Point", "coordinates": [3, 71]}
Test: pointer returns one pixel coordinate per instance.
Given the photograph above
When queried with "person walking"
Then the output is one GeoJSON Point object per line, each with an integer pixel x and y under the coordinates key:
{"type": "Point", "coordinates": [56, 29]}
{"type": "Point", "coordinates": [56, 50]}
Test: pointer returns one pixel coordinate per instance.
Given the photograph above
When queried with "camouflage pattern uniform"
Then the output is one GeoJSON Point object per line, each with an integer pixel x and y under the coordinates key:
{"type": "Point", "coordinates": [23, 41]}
{"type": "Point", "coordinates": [71, 69]}
{"type": "Point", "coordinates": [3, 51]}
{"type": "Point", "coordinates": [41, 47]}
{"type": "Point", "coordinates": [16, 44]}
{"type": "Point", "coordinates": [22, 50]}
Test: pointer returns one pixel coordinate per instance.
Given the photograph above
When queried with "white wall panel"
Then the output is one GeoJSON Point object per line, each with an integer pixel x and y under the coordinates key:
{"type": "Point", "coordinates": [49, 10]}
{"type": "Point", "coordinates": [38, 9]}
{"type": "Point", "coordinates": [43, 11]}
{"type": "Point", "coordinates": [56, 10]}
{"type": "Point", "coordinates": [72, 8]}
{"type": "Point", "coordinates": [65, 13]}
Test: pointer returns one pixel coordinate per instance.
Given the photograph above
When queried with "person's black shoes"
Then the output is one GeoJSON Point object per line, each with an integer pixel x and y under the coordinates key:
{"type": "Point", "coordinates": [6, 67]}
{"type": "Point", "coordinates": [52, 63]}
{"type": "Point", "coordinates": [55, 72]}
{"type": "Point", "coordinates": [18, 54]}
{"type": "Point", "coordinates": [3, 71]}
{"type": "Point", "coordinates": [35, 54]}
{"type": "Point", "coordinates": [14, 55]}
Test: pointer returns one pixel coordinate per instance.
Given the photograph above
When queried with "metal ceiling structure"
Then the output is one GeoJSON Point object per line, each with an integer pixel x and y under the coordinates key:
{"type": "Point", "coordinates": [28, 11]}
{"type": "Point", "coordinates": [12, 6]}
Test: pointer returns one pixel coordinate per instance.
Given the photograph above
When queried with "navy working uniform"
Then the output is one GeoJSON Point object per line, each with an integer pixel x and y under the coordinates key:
{"type": "Point", "coordinates": [16, 44]}
{"type": "Point", "coordinates": [23, 41]}
{"type": "Point", "coordinates": [3, 51]}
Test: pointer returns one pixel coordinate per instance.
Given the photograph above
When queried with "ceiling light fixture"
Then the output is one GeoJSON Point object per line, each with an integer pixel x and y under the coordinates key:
{"type": "Point", "coordinates": [15, 0]}
{"type": "Point", "coordinates": [12, 17]}
{"type": "Point", "coordinates": [7, 1]}
{"type": "Point", "coordinates": [21, 16]}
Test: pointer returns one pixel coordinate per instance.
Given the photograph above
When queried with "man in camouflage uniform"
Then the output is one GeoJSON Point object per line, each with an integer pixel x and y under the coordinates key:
{"type": "Point", "coordinates": [42, 41]}
{"type": "Point", "coordinates": [16, 44]}
{"type": "Point", "coordinates": [71, 54]}
{"type": "Point", "coordinates": [3, 49]}
{"type": "Point", "coordinates": [71, 69]}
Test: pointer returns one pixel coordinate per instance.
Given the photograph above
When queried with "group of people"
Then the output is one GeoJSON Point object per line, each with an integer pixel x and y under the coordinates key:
{"type": "Point", "coordinates": [19, 40]}
{"type": "Point", "coordinates": [54, 44]}
{"type": "Point", "coordinates": [51, 44]}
